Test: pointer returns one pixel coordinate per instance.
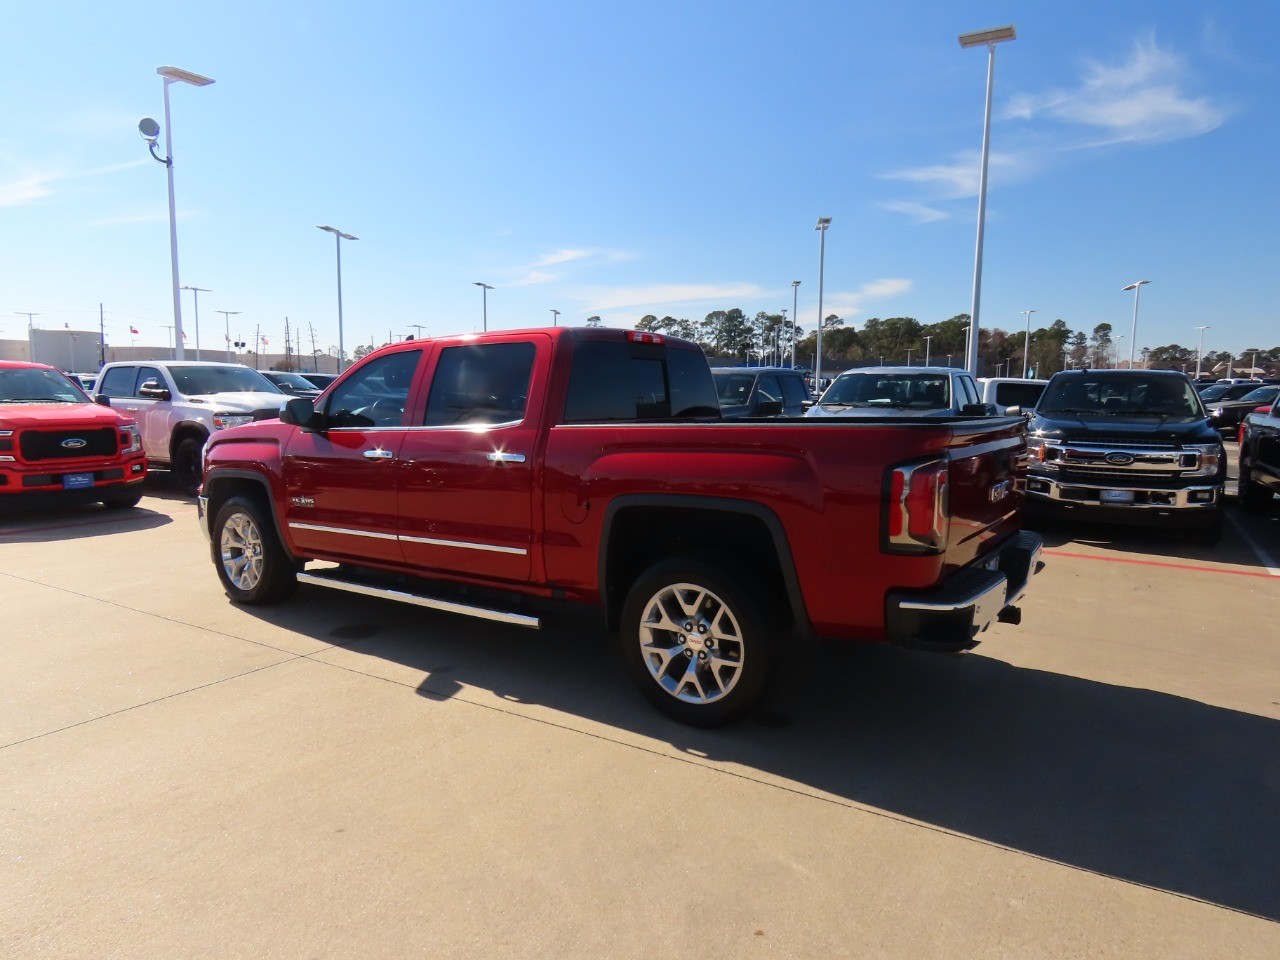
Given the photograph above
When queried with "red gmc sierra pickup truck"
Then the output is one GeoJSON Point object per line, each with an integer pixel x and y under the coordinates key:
{"type": "Point", "coordinates": [492, 475]}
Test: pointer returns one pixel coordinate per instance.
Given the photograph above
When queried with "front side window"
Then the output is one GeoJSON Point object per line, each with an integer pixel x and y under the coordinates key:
{"type": "Point", "coordinates": [148, 375]}
{"type": "Point", "coordinates": [118, 382]}
{"type": "Point", "coordinates": [376, 394]}
{"type": "Point", "coordinates": [768, 389]}
{"type": "Point", "coordinates": [481, 383]}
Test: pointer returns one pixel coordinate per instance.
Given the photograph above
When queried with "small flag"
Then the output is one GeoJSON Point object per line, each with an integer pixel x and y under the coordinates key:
{"type": "Point", "coordinates": [133, 329]}
{"type": "Point", "coordinates": [184, 335]}
{"type": "Point", "coordinates": [66, 326]}
{"type": "Point", "coordinates": [264, 341]}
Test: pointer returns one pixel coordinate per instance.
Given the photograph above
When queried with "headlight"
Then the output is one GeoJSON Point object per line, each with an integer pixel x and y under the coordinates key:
{"type": "Point", "coordinates": [1209, 457]}
{"type": "Point", "coordinates": [135, 438]}
{"type": "Point", "coordinates": [1041, 453]}
{"type": "Point", "coordinates": [223, 420]}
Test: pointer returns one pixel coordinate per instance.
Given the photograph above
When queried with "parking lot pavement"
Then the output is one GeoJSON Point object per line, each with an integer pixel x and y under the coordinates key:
{"type": "Point", "coordinates": [344, 777]}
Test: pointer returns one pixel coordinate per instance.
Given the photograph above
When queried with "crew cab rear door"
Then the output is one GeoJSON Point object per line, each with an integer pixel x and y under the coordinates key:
{"type": "Point", "coordinates": [466, 477]}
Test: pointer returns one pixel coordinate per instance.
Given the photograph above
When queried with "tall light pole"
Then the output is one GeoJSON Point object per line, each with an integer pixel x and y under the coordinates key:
{"type": "Point", "coordinates": [1133, 340]}
{"type": "Point", "coordinates": [150, 132]}
{"type": "Point", "coordinates": [823, 223]}
{"type": "Point", "coordinates": [909, 350]}
{"type": "Point", "coordinates": [928, 344]}
{"type": "Point", "coordinates": [1200, 349]}
{"type": "Point", "coordinates": [484, 301]}
{"type": "Point", "coordinates": [794, 317]}
{"type": "Point", "coordinates": [989, 39]}
{"type": "Point", "coordinates": [338, 237]}
{"type": "Point", "coordinates": [31, 331]}
{"type": "Point", "coordinates": [226, 320]}
{"type": "Point", "coordinates": [1026, 344]}
{"type": "Point", "coordinates": [555, 318]}
{"type": "Point", "coordinates": [195, 294]}
{"type": "Point", "coordinates": [782, 344]}
{"type": "Point", "coordinates": [1116, 365]}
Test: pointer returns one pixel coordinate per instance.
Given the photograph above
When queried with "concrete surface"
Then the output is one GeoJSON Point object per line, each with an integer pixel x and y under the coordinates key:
{"type": "Point", "coordinates": [344, 777]}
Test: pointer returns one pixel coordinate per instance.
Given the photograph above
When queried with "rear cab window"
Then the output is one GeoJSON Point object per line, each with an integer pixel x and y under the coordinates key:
{"type": "Point", "coordinates": [638, 381]}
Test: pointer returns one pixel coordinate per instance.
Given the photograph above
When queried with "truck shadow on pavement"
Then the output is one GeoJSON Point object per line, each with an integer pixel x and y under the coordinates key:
{"type": "Point", "coordinates": [1142, 786]}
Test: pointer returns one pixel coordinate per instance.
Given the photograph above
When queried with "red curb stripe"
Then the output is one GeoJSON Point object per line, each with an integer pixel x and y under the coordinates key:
{"type": "Point", "coordinates": [1155, 563]}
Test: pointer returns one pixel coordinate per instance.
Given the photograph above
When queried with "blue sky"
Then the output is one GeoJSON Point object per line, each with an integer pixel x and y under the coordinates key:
{"type": "Point", "coordinates": [621, 159]}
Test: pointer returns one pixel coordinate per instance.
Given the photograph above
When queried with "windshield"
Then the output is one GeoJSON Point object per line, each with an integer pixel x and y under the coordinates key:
{"type": "Point", "coordinates": [1261, 395]}
{"type": "Point", "coordinates": [194, 381]}
{"type": "Point", "coordinates": [293, 380]}
{"type": "Point", "coordinates": [1111, 394]}
{"type": "Point", "coordinates": [33, 385]}
{"type": "Point", "coordinates": [922, 391]}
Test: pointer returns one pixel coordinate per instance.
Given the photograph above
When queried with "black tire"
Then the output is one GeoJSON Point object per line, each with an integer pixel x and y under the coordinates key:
{"type": "Point", "coordinates": [187, 465]}
{"type": "Point", "coordinates": [252, 565]}
{"type": "Point", "coordinates": [1251, 496]}
{"type": "Point", "coordinates": [123, 499]}
{"type": "Point", "coordinates": [709, 666]}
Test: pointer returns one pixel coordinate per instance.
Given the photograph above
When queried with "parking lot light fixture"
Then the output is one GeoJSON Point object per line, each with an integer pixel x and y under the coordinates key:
{"type": "Point", "coordinates": [928, 344]}
{"type": "Point", "coordinates": [195, 294]}
{"type": "Point", "coordinates": [555, 318]}
{"type": "Point", "coordinates": [149, 132]}
{"type": "Point", "coordinates": [226, 320]}
{"type": "Point", "coordinates": [1133, 342]}
{"type": "Point", "coordinates": [794, 317]}
{"type": "Point", "coordinates": [338, 237]}
{"type": "Point", "coordinates": [989, 39]}
{"type": "Point", "coordinates": [1026, 343]}
{"type": "Point", "coordinates": [823, 223]}
{"type": "Point", "coordinates": [484, 302]}
{"type": "Point", "coordinates": [1200, 349]}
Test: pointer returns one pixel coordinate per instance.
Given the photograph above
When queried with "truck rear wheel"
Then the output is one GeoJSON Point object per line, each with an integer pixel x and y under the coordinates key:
{"type": "Point", "coordinates": [252, 564]}
{"type": "Point", "coordinates": [695, 642]}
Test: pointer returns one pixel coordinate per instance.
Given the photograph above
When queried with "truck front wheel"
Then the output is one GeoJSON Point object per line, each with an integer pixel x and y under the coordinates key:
{"type": "Point", "coordinates": [695, 642]}
{"type": "Point", "coordinates": [187, 465]}
{"type": "Point", "coordinates": [252, 565]}
{"type": "Point", "coordinates": [1253, 497]}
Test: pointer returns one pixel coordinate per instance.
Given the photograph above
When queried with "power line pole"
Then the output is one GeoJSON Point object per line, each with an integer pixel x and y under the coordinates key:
{"type": "Point", "coordinates": [102, 338]}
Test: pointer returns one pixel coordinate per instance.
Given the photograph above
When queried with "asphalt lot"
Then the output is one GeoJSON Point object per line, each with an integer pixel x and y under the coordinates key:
{"type": "Point", "coordinates": [345, 777]}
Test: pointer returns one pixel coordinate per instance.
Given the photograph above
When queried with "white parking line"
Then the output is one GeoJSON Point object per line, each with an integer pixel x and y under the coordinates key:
{"type": "Point", "coordinates": [1268, 562]}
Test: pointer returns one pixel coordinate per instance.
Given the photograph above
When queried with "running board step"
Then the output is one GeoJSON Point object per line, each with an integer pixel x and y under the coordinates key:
{"type": "Point", "coordinates": [335, 582]}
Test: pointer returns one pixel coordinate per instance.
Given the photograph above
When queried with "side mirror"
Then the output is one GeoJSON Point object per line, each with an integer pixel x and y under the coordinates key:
{"type": "Point", "coordinates": [153, 391]}
{"type": "Point", "coordinates": [301, 412]}
{"type": "Point", "coordinates": [103, 399]}
{"type": "Point", "coordinates": [1014, 411]}
{"type": "Point", "coordinates": [769, 408]}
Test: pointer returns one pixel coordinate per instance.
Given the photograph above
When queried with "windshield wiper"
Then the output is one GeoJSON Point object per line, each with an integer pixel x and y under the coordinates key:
{"type": "Point", "coordinates": [1050, 410]}
{"type": "Point", "coordinates": [40, 400]}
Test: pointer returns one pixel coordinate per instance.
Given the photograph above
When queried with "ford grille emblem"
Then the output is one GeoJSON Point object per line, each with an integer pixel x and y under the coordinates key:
{"type": "Point", "coordinates": [75, 443]}
{"type": "Point", "coordinates": [1119, 459]}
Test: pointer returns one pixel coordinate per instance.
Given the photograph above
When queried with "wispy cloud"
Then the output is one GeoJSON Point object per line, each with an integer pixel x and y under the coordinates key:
{"type": "Point", "coordinates": [535, 273]}
{"type": "Point", "coordinates": [1140, 99]}
{"type": "Point", "coordinates": [851, 303]}
{"type": "Point", "coordinates": [562, 256]}
{"type": "Point", "coordinates": [661, 294]}
{"type": "Point", "coordinates": [532, 278]}
{"type": "Point", "coordinates": [40, 186]}
{"type": "Point", "coordinates": [1143, 98]}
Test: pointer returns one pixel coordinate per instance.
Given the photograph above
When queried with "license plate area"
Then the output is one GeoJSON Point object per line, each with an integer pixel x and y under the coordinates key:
{"type": "Point", "coordinates": [77, 481]}
{"type": "Point", "coordinates": [1115, 496]}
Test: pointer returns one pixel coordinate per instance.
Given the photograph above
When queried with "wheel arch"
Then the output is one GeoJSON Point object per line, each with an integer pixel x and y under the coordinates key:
{"type": "Point", "coordinates": [186, 430]}
{"type": "Point", "coordinates": [642, 529]}
{"type": "Point", "coordinates": [222, 485]}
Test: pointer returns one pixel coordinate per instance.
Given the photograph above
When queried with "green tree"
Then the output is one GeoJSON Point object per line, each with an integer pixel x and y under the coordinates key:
{"type": "Point", "coordinates": [593, 321]}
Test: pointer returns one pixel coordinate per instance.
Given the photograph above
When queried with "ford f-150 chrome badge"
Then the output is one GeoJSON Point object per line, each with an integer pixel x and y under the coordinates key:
{"type": "Point", "coordinates": [1119, 458]}
{"type": "Point", "coordinates": [74, 443]}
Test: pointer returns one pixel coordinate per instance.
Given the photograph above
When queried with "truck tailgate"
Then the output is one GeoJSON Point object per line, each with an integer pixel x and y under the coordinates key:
{"type": "Point", "coordinates": [986, 485]}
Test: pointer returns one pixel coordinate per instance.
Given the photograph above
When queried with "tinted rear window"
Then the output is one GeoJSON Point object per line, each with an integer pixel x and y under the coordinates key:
{"type": "Point", "coordinates": [1018, 394]}
{"type": "Point", "coordinates": [633, 381]}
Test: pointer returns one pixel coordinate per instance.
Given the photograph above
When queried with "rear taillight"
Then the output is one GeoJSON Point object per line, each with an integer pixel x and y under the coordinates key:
{"type": "Point", "coordinates": [917, 520]}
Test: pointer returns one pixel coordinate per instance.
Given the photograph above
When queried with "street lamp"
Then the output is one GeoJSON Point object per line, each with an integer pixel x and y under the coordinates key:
{"type": "Point", "coordinates": [226, 320]}
{"type": "Point", "coordinates": [338, 237]}
{"type": "Point", "coordinates": [150, 131]}
{"type": "Point", "coordinates": [1116, 365]}
{"type": "Point", "coordinates": [1026, 343]}
{"type": "Point", "coordinates": [794, 317]}
{"type": "Point", "coordinates": [1137, 290]}
{"type": "Point", "coordinates": [484, 298]}
{"type": "Point", "coordinates": [823, 223]}
{"type": "Point", "coordinates": [989, 39]}
{"type": "Point", "coordinates": [195, 295]}
{"type": "Point", "coordinates": [555, 318]}
{"type": "Point", "coordinates": [909, 349]}
{"type": "Point", "coordinates": [1200, 349]}
{"type": "Point", "coordinates": [928, 345]}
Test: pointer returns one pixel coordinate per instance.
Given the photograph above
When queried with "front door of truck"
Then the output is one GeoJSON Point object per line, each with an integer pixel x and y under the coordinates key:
{"type": "Point", "coordinates": [340, 481]}
{"type": "Point", "coordinates": [466, 475]}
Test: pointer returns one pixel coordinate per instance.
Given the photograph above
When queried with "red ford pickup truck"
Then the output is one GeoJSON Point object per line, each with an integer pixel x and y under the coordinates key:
{"type": "Point", "coordinates": [486, 474]}
{"type": "Point", "coordinates": [58, 447]}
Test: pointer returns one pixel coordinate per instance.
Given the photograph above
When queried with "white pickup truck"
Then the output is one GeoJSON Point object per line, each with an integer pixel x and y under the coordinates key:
{"type": "Point", "coordinates": [902, 392]}
{"type": "Point", "coordinates": [179, 403]}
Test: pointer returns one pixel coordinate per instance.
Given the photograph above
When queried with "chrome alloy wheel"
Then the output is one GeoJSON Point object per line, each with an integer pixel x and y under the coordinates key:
{"type": "Point", "coordinates": [241, 544]}
{"type": "Point", "coordinates": [691, 642]}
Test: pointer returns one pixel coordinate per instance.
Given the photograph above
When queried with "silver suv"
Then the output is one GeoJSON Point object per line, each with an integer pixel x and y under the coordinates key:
{"type": "Point", "coordinates": [179, 403]}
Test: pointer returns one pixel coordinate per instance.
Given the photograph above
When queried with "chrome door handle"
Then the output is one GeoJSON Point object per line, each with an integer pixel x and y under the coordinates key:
{"type": "Point", "coordinates": [378, 454]}
{"type": "Point", "coordinates": [501, 456]}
